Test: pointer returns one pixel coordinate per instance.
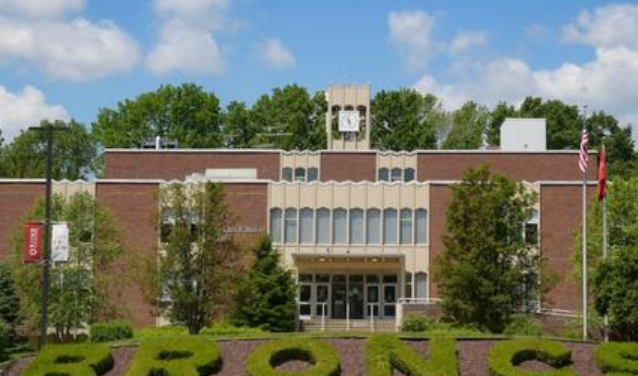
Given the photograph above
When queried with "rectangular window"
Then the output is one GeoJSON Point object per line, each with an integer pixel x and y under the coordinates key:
{"type": "Point", "coordinates": [373, 226]}
{"type": "Point", "coordinates": [306, 227]}
{"type": "Point", "coordinates": [356, 226]}
{"type": "Point", "coordinates": [406, 226]}
{"type": "Point", "coordinates": [389, 226]}
{"type": "Point", "coordinates": [531, 234]}
{"type": "Point", "coordinates": [290, 235]}
{"type": "Point", "coordinates": [323, 226]}
{"type": "Point", "coordinates": [275, 225]}
{"type": "Point", "coordinates": [339, 226]}
{"type": "Point", "coordinates": [421, 227]}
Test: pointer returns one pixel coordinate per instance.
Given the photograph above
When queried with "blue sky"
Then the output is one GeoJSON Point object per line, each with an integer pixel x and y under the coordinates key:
{"type": "Point", "coordinates": [69, 58]}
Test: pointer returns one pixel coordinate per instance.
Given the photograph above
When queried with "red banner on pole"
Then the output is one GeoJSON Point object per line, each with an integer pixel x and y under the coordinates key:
{"type": "Point", "coordinates": [32, 242]}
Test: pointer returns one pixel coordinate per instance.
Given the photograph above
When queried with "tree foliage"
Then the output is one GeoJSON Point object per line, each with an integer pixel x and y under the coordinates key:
{"type": "Point", "coordinates": [239, 131]}
{"type": "Point", "coordinates": [199, 263]}
{"type": "Point", "coordinates": [74, 153]}
{"type": "Point", "coordinates": [468, 125]}
{"type": "Point", "coordinates": [486, 272]}
{"type": "Point", "coordinates": [185, 113]}
{"type": "Point", "coordinates": [85, 288]}
{"type": "Point", "coordinates": [9, 300]}
{"type": "Point", "coordinates": [266, 296]}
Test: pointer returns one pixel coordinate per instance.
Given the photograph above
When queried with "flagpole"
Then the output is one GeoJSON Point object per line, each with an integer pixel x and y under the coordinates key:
{"type": "Point", "coordinates": [604, 198]}
{"type": "Point", "coordinates": [584, 239]}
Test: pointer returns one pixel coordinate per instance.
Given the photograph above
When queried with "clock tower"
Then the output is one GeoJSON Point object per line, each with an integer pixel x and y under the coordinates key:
{"type": "Point", "coordinates": [348, 117]}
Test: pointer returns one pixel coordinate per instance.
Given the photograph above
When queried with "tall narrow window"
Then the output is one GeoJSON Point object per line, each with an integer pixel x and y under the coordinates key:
{"type": "Point", "coordinates": [384, 174]}
{"type": "Point", "coordinates": [421, 291]}
{"type": "Point", "coordinates": [275, 225]}
{"type": "Point", "coordinates": [339, 226]}
{"type": "Point", "coordinates": [313, 174]}
{"type": "Point", "coordinates": [531, 229]}
{"type": "Point", "coordinates": [421, 227]}
{"type": "Point", "coordinates": [356, 226]}
{"type": "Point", "coordinates": [406, 226]}
{"type": "Point", "coordinates": [323, 226]}
{"type": "Point", "coordinates": [408, 174]}
{"type": "Point", "coordinates": [286, 174]}
{"type": "Point", "coordinates": [300, 174]}
{"type": "Point", "coordinates": [389, 226]}
{"type": "Point", "coordinates": [306, 227]}
{"type": "Point", "coordinates": [290, 233]}
{"type": "Point", "coordinates": [396, 174]}
{"type": "Point", "coordinates": [373, 226]}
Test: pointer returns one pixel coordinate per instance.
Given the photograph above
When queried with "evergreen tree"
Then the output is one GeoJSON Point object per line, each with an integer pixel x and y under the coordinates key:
{"type": "Point", "coordinates": [9, 301]}
{"type": "Point", "coordinates": [266, 297]}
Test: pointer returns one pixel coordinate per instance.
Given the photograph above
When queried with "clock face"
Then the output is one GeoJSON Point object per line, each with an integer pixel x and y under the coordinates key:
{"type": "Point", "coordinates": [348, 121]}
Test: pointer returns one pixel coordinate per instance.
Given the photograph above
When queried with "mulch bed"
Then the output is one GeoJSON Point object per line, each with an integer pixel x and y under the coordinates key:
{"type": "Point", "coordinates": [472, 358]}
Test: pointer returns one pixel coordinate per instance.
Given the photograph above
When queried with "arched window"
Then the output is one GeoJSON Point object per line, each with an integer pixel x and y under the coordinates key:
{"type": "Point", "coordinates": [406, 226]}
{"type": "Point", "coordinates": [286, 174]}
{"type": "Point", "coordinates": [421, 281]}
{"type": "Point", "coordinates": [356, 226]}
{"type": "Point", "coordinates": [396, 174]}
{"type": "Point", "coordinates": [306, 226]}
{"type": "Point", "coordinates": [290, 226]}
{"type": "Point", "coordinates": [373, 226]}
{"type": "Point", "coordinates": [275, 225]}
{"type": "Point", "coordinates": [421, 227]}
{"type": "Point", "coordinates": [339, 226]}
{"type": "Point", "coordinates": [408, 174]}
{"type": "Point", "coordinates": [384, 174]}
{"type": "Point", "coordinates": [313, 174]}
{"type": "Point", "coordinates": [323, 226]}
{"type": "Point", "coordinates": [300, 174]}
{"type": "Point", "coordinates": [389, 226]}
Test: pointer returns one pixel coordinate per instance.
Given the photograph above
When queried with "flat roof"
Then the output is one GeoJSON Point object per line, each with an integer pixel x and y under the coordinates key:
{"type": "Point", "coordinates": [385, 152]}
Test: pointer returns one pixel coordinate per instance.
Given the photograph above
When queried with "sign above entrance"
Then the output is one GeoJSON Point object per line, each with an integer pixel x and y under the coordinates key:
{"type": "Point", "coordinates": [349, 121]}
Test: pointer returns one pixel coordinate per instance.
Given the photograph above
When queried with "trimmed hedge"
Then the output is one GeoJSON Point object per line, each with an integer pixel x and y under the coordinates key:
{"type": "Point", "coordinates": [417, 322]}
{"type": "Point", "coordinates": [176, 356]}
{"type": "Point", "coordinates": [161, 331]}
{"type": "Point", "coordinates": [618, 358]}
{"type": "Point", "coordinates": [324, 360]}
{"type": "Point", "coordinates": [110, 331]}
{"type": "Point", "coordinates": [71, 360]}
{"type": "Point", "coordinates": [224, 328]}
{"type": "Point", "coordinates": [505, 357]}
{"type": "Point", "coordinates": [384, 352]}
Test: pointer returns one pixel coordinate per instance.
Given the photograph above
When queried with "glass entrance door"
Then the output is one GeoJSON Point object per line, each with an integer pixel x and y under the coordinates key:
{"type": "Point", "coordinates": [339, 296]}
{"type": "Point", "coordinates": [356, 297]}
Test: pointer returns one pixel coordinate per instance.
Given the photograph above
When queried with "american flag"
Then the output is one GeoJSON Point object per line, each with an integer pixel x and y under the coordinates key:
{"type": "Point", "coordinates": [583, 157]}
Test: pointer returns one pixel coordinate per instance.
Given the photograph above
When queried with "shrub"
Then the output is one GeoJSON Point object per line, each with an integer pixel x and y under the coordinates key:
{"type": "Point", "coordinates": [161, 331]}
{"type": "Point", "coordinates": [225, 328]}
{"type": "Point", "coordinates": [620, 358]}
{"type": "Point", "coordinates": [5, 338]}
{"type": "Point", "coordinates": [110, 331]}
{"type": "Point", "coordinates": [176, 356]}
{"type": "Point", "coordinates": [385, 352]}
{"type": "Point", "coordinates": [322, 357]}
{"type": "Point", "coordinates": [505, 357]}
{"type": "Point", "coordinates": [522, 325]}
{"type": "Point", "coordinates": [416, 322]}
{"type": "Point", "coordinates": [71, 360]}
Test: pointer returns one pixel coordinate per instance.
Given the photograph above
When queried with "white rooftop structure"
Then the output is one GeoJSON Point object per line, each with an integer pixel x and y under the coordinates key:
{"type": "Point", "coordinates": [521, 134]}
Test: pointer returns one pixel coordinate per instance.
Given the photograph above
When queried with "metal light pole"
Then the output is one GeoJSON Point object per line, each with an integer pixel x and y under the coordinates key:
{"type": "Point", "coordinates": [46, 262]}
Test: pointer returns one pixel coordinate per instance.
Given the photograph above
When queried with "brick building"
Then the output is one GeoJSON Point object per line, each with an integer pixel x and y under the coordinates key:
{"type": "Point", "coordinates": [359, 227]}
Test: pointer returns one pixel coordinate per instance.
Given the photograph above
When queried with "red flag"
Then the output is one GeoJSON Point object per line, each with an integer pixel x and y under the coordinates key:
{"type": "Point", "coordinates": [602, 175]}
{"type": "Point", "coordinates": [32, 242]}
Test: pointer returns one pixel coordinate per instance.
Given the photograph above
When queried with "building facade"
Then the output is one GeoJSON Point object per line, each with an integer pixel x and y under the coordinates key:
{"type": "Point", "coordinates": [360, 228]}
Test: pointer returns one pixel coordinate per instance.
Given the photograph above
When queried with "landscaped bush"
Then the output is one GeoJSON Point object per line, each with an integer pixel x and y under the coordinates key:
{"type": "Point", "coordinates": [161, 331]}
{"type": "Point", "coordinates": [417, 322]}
{"type": "Point", "coordinates": [225, 328]}
{"type": "Point", "coordinates": [263, 361]}
{"type": "Point", "coordinates": [71, 360]}
{"type": "Point", "coordinates": [522, 325]}
{"type": "Point", "coordinates": [5, 337]}
{"type": "Point", "coordinates": [505, 357]}
{"type": "Point", "coordinates": [618, 358]}
{"type": "Point", "coordinates": [176, 356]}
{"type": "Point", "coordinates": [385, 352]}
{"type": "Point", "coordinates": [110, 331]}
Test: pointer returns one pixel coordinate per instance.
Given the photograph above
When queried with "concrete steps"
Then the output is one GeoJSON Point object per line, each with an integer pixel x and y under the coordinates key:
{"type": "Point", "coordinates": [380, 325]}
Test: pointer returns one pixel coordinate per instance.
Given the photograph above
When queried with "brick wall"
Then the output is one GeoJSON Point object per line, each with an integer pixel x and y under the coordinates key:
{"type": "Point", "coordinates": [348, 166]}
{"type": "Point", "coordinates": [440, 197]}
{"type": "Point", "coordinates": [16, 199]}
{"type": "Point", "coordinates": [249, 203]}
{"type": "Point", "coordinates": [177, 165]}
{"type": "Point", "coordinates": [523, 166]}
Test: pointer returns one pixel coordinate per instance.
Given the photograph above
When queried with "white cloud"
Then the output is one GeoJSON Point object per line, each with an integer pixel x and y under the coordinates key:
{"type": "Point", "coordinates": [186, 40]}
{"type": "Point", "coordinates": [277, 55]}
{"type": "Point", "coordinates": [467, 40]}
{"type": "Point", "coordinates": [609, 26]}
{"type": "Point", "coordinates": [40, 8]}
{"type": "Point", "coordinates": [19, 111]}
{"type": "Point", "coordinates": [187, 49]}
{"type": "Point", "coordinates": [411, 34]}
